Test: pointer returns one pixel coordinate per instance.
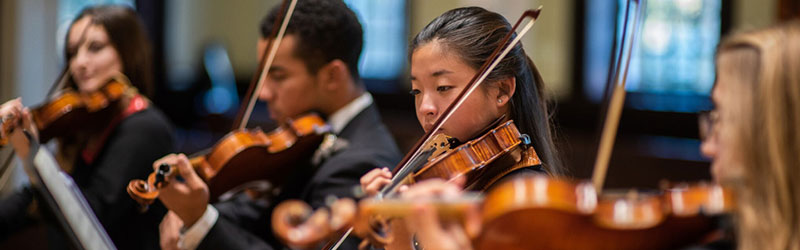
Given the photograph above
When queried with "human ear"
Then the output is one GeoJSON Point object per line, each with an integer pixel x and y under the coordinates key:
{"type": "Point", "coordinates": [506, 88]}
{"type": "Point", "coordinates": [333, 75]}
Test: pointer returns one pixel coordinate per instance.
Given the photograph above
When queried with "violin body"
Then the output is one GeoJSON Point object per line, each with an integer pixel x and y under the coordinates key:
{"type": "Point", "coordinates": [542, 213]}
{"type": "Point", "coordinates": [247, 155]}
{"type": "Point", "coordinates": [250, 154]}
{"type": "Point", "coordinates": [500, 147]}
{"type": "Point", "coordinates": [72, 111]}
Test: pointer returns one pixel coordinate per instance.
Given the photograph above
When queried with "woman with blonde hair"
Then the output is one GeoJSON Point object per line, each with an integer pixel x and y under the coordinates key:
{"type": "Point", "coordinates": [753, 135]}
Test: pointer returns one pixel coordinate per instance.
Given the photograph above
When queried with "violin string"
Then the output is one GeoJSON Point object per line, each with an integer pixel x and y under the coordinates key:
{"type": "Point", "coordinates": [265, 70]}
{"type": "Point", "coordinates": [459, 102]}
{"type": "Point", "coordinates": [414, 165]}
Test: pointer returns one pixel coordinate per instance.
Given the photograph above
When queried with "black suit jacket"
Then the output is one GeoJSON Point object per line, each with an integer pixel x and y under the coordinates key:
{"type": "Point", "coordinates": [244, 223]}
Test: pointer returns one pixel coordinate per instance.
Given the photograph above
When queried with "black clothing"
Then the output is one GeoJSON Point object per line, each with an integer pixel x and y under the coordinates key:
{"type": "Point", "coordinates": [128, 153]}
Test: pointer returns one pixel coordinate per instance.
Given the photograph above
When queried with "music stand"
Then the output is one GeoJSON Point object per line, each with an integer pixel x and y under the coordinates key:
{"type": "Point", "coordinates": [65, 200]}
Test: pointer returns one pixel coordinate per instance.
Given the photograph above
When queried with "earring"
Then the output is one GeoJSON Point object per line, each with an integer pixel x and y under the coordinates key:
{"type": "Point", "coordinates": [499, 100]}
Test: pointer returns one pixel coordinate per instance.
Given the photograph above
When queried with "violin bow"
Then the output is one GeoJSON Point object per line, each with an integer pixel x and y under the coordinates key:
{"type": "Point", "coordinates": [499, 53]}
{"type": "Point", "coordinates": [268, 57]}
{"type": "Point", "coordinates": [617, 99]}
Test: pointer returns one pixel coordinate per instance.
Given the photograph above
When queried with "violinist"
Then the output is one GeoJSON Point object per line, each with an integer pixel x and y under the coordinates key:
{"type": "Point", "coordinates": [103, 42]}
{"type": "Point", "coordinates": [752, 134]}
{"type": "Point", "coordinates": [444, 56]}
{"type": "Point", "coordinates": [315, 69]}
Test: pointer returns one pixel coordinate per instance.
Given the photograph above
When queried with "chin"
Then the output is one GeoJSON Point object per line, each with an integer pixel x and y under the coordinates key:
{"type": "Point", "coordinates": [89, 86]}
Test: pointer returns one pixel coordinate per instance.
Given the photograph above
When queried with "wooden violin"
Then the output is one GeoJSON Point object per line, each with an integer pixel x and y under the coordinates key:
{"type": "Point", "coordinates": [245, 155]}
{"type": "Point", "coordinates": [70, 111]}
{"type": "Point", "coordinates": [543, 213]}
{"type": "Point", "coordinates": [534, 212]}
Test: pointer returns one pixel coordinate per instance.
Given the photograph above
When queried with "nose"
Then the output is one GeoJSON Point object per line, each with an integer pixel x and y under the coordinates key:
{"type": "Point", "coordinates": [265, 93]}
{"type": "Point", "coordinates": [427, 109]}
{"type": "Point", "coordinates": [709, 147]}
{"type": "Point", "coordinates": [79, 61]}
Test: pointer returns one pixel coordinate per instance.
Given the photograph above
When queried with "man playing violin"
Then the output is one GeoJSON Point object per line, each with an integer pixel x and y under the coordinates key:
{"type": "Point", "coordinates": [315, 69]}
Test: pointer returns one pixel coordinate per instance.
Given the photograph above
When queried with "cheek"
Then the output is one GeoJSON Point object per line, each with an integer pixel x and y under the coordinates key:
{"type": "Point", "coordinates": [419, 113]}
{"type": "Point", "coordinates": [112, 59]}
{"type": "Point", "coordinates": [297, 96]}
{"type": "Point", "coordinates": [729, 163]}
{"type": "Point", "coordinates": [468, 119]}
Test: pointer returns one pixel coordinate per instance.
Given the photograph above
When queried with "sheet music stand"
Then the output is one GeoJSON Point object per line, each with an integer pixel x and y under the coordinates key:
{"type": "Point", "coordinates": [65, 200]}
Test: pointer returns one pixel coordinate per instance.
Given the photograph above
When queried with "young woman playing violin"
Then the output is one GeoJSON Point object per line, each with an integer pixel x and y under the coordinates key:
{"type": "Point", "coordinates": [445, 55]}
{"type": "Point", "coordinates": [103, 42]}
{"type": "Point", "coordinates": [752, 134]}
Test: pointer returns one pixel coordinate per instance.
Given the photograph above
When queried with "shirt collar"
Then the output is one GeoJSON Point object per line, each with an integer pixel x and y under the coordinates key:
{"type": "Point", "coordinates": [339, 119]}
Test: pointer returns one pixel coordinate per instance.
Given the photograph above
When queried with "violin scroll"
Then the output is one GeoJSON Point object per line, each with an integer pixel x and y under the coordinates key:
{"type": "Point", "coordinates": [296, 224]}
{"type": "Point", "coordinates": [145, 192]}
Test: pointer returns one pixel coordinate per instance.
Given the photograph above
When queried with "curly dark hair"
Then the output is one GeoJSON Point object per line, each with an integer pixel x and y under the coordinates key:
{"type": "Point", "coordinates": [327, 30]}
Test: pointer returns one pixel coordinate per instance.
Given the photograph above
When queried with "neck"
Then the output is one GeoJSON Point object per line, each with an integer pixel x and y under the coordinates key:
{"type": "Point", "coordinates": [339, 99]}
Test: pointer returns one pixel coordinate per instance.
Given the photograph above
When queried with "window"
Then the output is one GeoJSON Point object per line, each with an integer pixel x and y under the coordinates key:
{"type": "Point", "coordinates": [384, 53]}
{"type": "Point", "coordinates": [672, 65]}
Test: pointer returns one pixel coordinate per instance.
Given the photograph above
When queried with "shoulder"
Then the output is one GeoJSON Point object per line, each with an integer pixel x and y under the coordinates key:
{"type": "Point", "coordinates": [144, 131]}
{"type": "Point", "coordinates": [368, 141]}
{"type": "Point", "coordinates": [146, 122]}
{"type": "Point", "coordinates": [369, 145]}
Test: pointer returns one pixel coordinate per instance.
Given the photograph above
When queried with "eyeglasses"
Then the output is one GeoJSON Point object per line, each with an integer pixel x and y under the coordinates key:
{"type": "Point", "coordinates": [707, 120]}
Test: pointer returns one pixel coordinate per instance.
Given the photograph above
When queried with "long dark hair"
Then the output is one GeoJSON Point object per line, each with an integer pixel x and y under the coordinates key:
{"type": "Point", "coordinates": [473, 33]}
{"type": "Point", "coordinates": [128, 36]}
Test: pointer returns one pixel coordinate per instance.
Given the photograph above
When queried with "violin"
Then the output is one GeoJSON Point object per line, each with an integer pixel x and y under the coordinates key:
{"type": "Point", "coordinates": [245, 155]}
{"type": "Point", "coordinates": [482, 161]}
{"type": "Point", "coordinates": [70, 111]}
{"type": "Point", "coordinates": [569, 215]}
{"type": "Point", "coordinates": [534, 212]}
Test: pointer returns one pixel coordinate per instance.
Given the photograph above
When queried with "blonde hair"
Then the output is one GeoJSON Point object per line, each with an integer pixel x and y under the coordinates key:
{"type": "Point", "coordinates": [768, 212]}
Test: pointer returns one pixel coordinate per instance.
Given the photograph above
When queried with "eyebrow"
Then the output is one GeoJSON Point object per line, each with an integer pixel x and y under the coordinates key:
{"type": "Point", "coordinates": [274, 68]}
{"type": "Point", "coordinates": [441, 72]}
{"type": "Point", "coordinates": [437, 73]}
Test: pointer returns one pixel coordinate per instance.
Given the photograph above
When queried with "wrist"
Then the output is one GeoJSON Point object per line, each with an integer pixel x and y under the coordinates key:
{"type": "Point", "coordinates": [192, 217]}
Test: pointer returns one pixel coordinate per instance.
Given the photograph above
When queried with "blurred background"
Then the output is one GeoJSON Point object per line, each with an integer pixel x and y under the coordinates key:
{"type": "Point", "coordinates": [205, 55]}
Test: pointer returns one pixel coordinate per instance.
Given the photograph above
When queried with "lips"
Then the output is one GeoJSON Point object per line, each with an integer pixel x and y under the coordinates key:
{"type": "Point", "coordinates": [81, 76]}
{"type": "Point", "coordinates": [427, 127]}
